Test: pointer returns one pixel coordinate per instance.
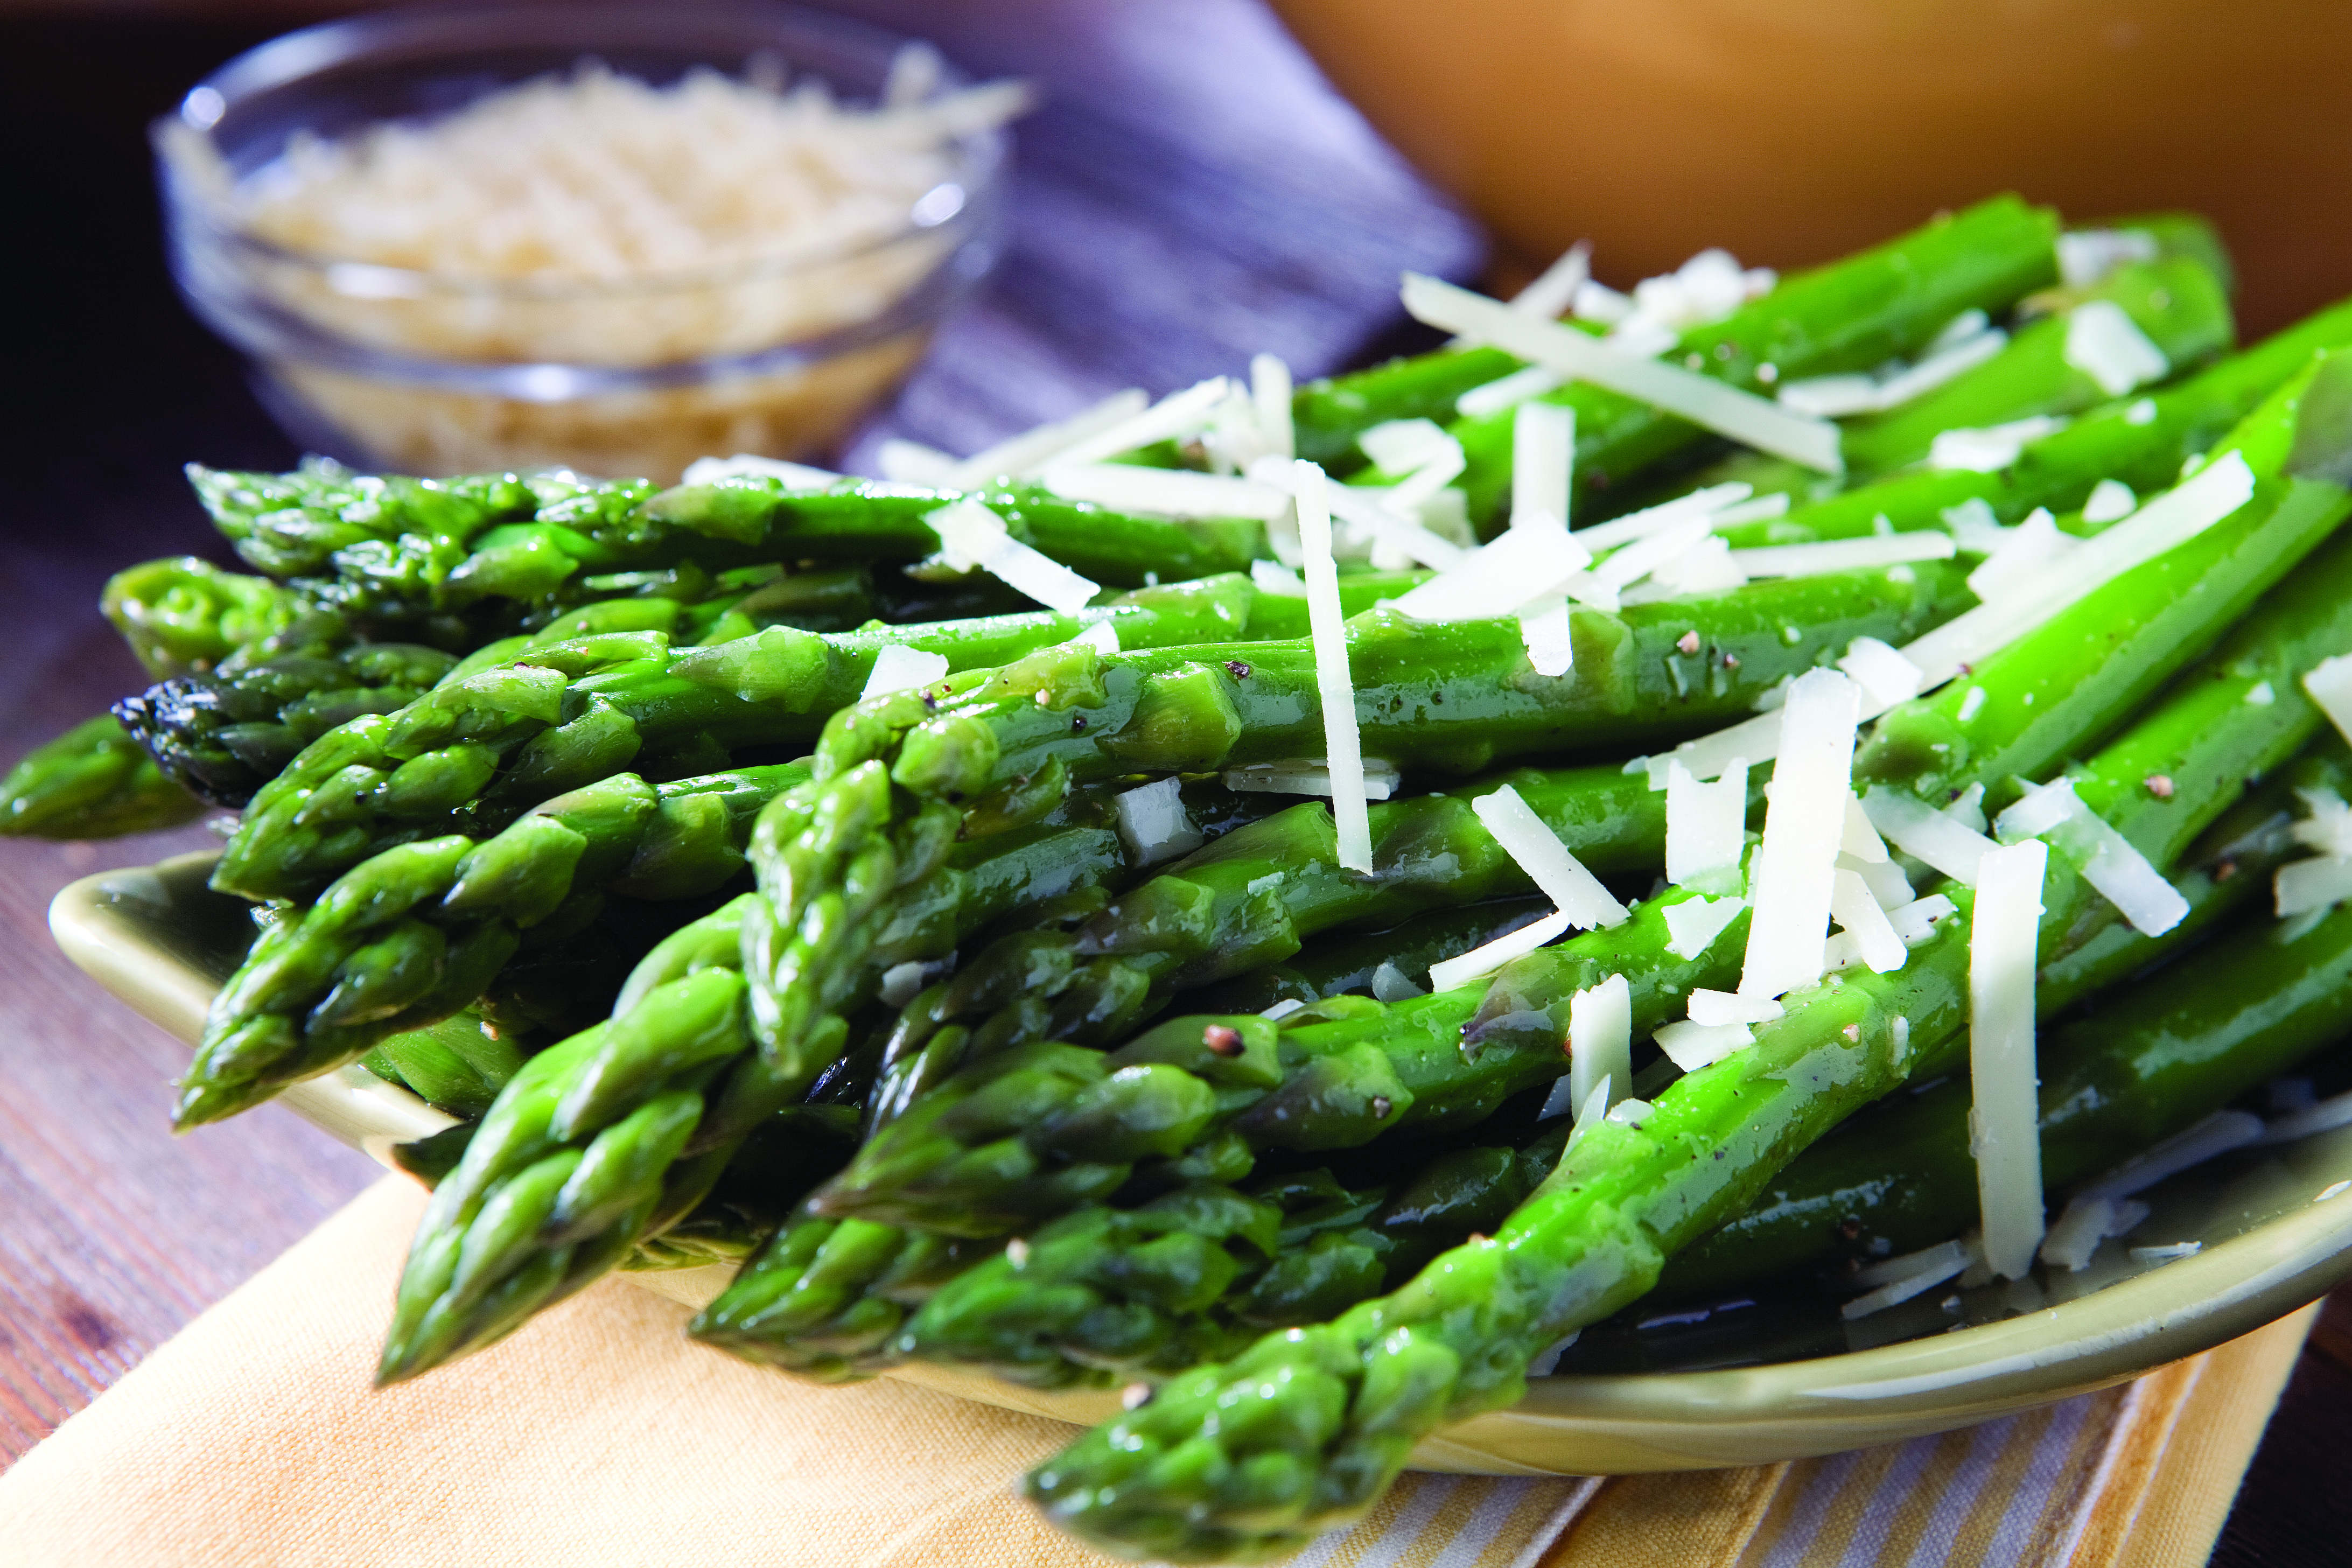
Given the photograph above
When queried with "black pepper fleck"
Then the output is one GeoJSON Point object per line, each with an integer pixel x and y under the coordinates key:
{"type": "Point", "coordinates": [1237, 670]}
{"type": "Point", "coordinates": [1077, 723]}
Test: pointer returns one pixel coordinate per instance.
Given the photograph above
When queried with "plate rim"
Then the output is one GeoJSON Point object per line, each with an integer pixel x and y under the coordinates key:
{"type": "Point", "coordinates": [1570, 1424]}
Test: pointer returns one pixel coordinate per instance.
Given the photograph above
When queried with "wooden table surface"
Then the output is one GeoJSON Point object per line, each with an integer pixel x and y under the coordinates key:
{"type": "Point", "coordinates": [1193, 193]}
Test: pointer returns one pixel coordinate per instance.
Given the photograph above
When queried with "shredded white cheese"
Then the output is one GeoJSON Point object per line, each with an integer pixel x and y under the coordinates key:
{"type": "Point", "coordinates": [2193, 1145]}
{"type": "Point", "coordinates": [1481, 962]}
{"type": "Point", "coordinates": [1844, 555]}
{"type": "Point", "coordinates": [1277, 580]}
{"type": "Point", "coordinates": [1401, 446]}
{"type": "Point", "coordinates": [2308, 1120]}
{"type": "Point", "coordinates": [2307, 886]}
{"type": "Point", "coordinates": [1715, 1008]}
{"type": "Point", "coordinates": [2087, 256]}
{"type": "Point", "coordinates": [971, 535]}
{"type": "Point", "coordinates": [1373, 512]}
{"type": "Point", "coordinates": [1707, 828]}
{"type": "Point", "coordinates": [1713, 404]}
{"type": "Point", "coordinates": [1898, 1279]}
{"type": "Point", "coordinates": [1546, 633]}
{"type": "Point", "coordinates": [2022, 556]}
{"type": "Point", "coordinates": [1600, 1040]}
{"type": "Point", "coordinates": [1270, 395]}
{"type": "Point", "coordinates": [2110, 502]}
{"type": "Point", "coordinates": [1306, 776]}
{"type": "Point", "coordinates": [2329, 684]}
{"type": "Point", "coordinates": [2005, 1120]}
{"type": "Point", "coordinates": [1992, 447]}
{"type": "Point", "coordinates": [1507, 392]}
{"type": "Point", "coordinates": [1174, 417]}
{"type": "Point", "coordinates": [1884, 675]}
{"type": "Point", "coordinates": [1691, 1047]}
{"type": "Point", "coordinates": [1165, 492]}
{"type": "Point", "coordinates": [1922, 832]}
{"type": "Point", "coordinates": [2173, 518]}
{"type": "Point", "coordinates": [794, 476]}
{"type": "Point", "coordinates": [1519, 566]}
{"type": "Point", "coordinates": [1548, 863]}
{"type": "Point", "coordinates": [1342, 740]}
{"type": "Point", "coordinates": [1102, 636]}
{"type": "Point", "coordinates": [900, 669]}
{"type": "Point", "coordinates": [1154, 824]}
{"type": "Point", "coordinates": [1858, 916]}
{"type": "Point", "coordinates": [1803, 826]}
{"type": "Point", "coordinates": [1841, 396]}
{"type": "Point", "coordinates": [1543, 459]}
{"type": "Point", "coordinates": [2075, 1235]}
{"type": "Point", "coordinates": [1019, 456]}
{"type": "Point", "coordinates": [2107, 345]}
{"type": "Point", "coordinates": [1711, 503]}
{"type": "Point", "coordinates": [1693, 924]}
{"type": "Point", "coordinates": [2106, 857]}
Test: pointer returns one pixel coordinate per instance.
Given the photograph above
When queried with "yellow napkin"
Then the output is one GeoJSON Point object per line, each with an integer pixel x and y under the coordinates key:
{"type": "Point", "coordinates": [599, 1435]}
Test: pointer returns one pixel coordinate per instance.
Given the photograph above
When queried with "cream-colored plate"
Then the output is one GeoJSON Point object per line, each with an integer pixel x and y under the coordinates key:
{"type": "Point", "coordinates": [2276, 1236]}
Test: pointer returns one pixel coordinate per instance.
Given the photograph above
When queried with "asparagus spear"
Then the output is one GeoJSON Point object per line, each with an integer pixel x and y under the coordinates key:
{"type": "Point", "coordinates": [1884, 304]}
{"type": "Point", "coordinates": [2176, 303]}
{"type": "Point", "coordinates": [870, 868]}
{"type": "Point", "coordinates": [1109, 1295]}
{"type": "Point", "coordinates": [988, 1148]}
{"type": "Point", "coordinates": [2141, 441]}
{"type": "Point", "coordinates": [472, 754]}
{"type": "Point", "coordinates": [1349, 961]}
{"type": "Point", "coordinates": [416, 932]}
{"type": "Point", "coordinates": [678, 1041]}
{"type": "Point", "coordinates": [181, 615]}
{"type": "Point", "coordinates": [2161, 1056]}
{"type": "Point", "coordinates": [1251, 899]}
{"type": "Point", "coordinates": [1333, 1412]}
{"type": "Point", "coordinates": [92, 782]}
{"type": "Point", "coordinates": [1103, 1294]}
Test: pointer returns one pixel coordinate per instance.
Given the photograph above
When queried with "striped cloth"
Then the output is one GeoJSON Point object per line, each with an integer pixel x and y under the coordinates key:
{"type": "Point", "coordinates": [600, 1434]}
{"type": "Point", "coordinates": [2142, 1475]}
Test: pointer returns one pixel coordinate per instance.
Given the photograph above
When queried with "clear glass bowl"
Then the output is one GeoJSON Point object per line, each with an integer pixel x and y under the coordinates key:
{"type": "Point", "coordinates": [435, 372]}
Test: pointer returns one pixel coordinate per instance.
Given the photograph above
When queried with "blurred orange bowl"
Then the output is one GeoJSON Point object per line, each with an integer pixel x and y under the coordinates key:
{"type": "Point", "coordinates": [1792, 130]}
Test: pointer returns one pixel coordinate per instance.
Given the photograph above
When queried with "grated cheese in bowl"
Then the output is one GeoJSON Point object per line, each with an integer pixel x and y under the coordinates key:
{"type": "Point", "coordinates": [614, 266]}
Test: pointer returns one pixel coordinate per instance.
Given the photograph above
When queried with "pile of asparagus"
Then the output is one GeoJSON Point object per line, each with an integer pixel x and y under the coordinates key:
{"type": "Point", "coordinates": [763, 879]}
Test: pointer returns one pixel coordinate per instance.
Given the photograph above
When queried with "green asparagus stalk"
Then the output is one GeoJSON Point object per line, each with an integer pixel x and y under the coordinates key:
{"type": "Point", "coordinates": [2147, 1064]}
{"type": "Point", "coordinates": [1884, 303]}
{"type": "Point", "coordinates": [988, 1148]}
{"type": "Point", "coordinates": [92, 782]}
{"type": "Point", "coordinates": [2176, 303]}
{"type": "Point", "coordinates": [224, 735]}
{"type": "Point", "coordinates": [1348, 962]}
{"type": "Point", "coordinates": [1106, 1296]}
{"type": "Point", "coordinates": [485, 745]}
{"type": "Point", "coordinates": [374, 542]}
{"type": "Point", "coordinates": [2141, 441]}
{"type": "Point", "coordinates": [866, 883]}
{"type": "Point", "coordinates": [834, 856]}
{"type": "Point", "coordinates": [678, 1039]}
{"type": "Point", "coordinates": [1335, 1411]}
{"type": "Point", "coordinates": [183, 616]}
{"type": "Point", "coordinates": [418, 932]}
{"type": "Point", "coordinates": [1253, 898]}
{"type": "Point", "coordinates": [457, 1064]}
{"type": "Point", "coordinates": [1330, 415]}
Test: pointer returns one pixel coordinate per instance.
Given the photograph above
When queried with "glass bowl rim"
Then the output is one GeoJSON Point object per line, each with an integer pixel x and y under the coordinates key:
{"type": "Point", "coordinates": [411, 33]}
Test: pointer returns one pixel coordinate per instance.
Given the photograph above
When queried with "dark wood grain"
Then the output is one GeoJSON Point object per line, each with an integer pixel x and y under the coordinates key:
{"type": "Point", "coordinates": [1192, 192]}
